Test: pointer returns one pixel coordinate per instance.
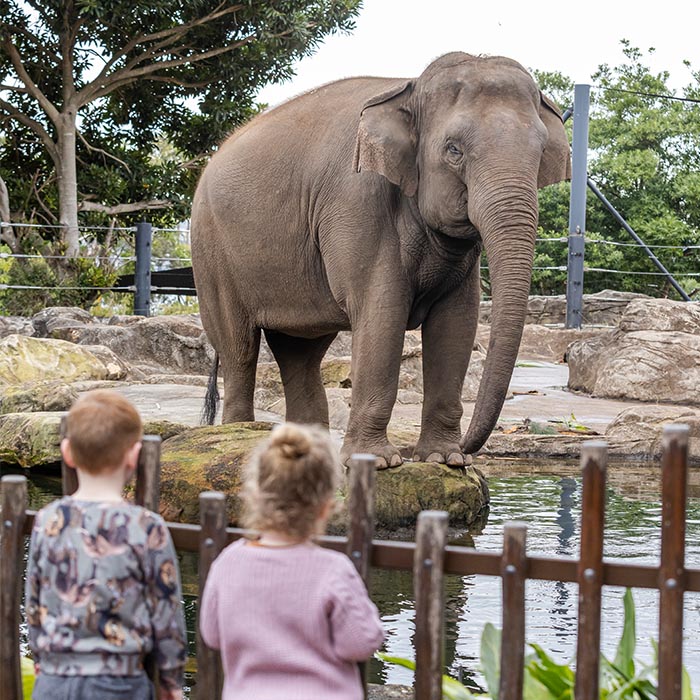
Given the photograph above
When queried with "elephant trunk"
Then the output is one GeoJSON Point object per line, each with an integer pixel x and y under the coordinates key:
{"type": "Point", "coordinates": [508, 227]}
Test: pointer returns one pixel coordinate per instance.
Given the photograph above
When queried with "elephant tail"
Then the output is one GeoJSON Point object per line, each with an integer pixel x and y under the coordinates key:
{"type": "Point", "coordinates": [211, 398]}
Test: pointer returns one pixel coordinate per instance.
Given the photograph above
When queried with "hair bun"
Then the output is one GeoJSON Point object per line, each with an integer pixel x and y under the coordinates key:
{"type": "Point", "coordinates": [292, 441]}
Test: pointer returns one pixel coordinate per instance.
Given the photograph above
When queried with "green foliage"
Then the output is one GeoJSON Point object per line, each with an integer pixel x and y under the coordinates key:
{"type": "Point", "coordinates": [645, 158]}
{"type": "Point", "coordinates": [155, 86]}
{"type": "Point", "coordinates": [545, 679]}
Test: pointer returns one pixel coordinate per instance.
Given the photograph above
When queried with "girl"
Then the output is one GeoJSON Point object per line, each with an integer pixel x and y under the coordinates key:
{"type": "Point", "coordinates": [291, 619]}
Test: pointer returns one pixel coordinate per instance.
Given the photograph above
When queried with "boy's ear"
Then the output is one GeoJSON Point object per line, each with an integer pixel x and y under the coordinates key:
{"type": "Point", "coordinates": [66, 453]}
{"type": "Point", "coordinates": [132, 455]}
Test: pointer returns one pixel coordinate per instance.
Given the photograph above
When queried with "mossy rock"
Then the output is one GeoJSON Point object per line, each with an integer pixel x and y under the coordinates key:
{"type": "Point", "coordinates": [335, 373]}
{"type": "Point", "coordinates": [211, 458]}
{"type": "Point", "coordinates": [30, 439]}
{"type": "Point", "coordinates": [50, 396]}
{"type": "Point", "coordinates": [206, 459]}
{"type": "Point", "coordinates": [24, 359]}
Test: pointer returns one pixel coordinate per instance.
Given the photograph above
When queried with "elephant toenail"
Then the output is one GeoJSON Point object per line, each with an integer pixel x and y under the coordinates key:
{"type": "Point", "coordinates": [396, 461]}
{"type": "Point", "coordinates": [435, 457]}
{"type": "Point", "coordinates": [455, 459]}
{"type": "Point", "coordinates": [381, 463]}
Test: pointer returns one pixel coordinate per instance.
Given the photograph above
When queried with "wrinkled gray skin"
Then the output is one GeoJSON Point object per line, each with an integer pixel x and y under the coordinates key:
{"type": "Point", "coordinates": [364, 205]}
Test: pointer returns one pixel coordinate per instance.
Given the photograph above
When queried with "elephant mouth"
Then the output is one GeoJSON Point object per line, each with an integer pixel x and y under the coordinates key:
{"type": "Point", "coordinates": [454, 239]}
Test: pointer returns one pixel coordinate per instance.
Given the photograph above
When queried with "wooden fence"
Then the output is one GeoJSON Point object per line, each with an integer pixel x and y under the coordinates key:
{"type": "Point", "coordinates": [430, 559]}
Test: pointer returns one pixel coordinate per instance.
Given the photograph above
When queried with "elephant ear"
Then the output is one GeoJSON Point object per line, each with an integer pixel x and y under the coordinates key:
{"type": "Point", "coordinates": [385, 142]}
{"type": "Point", "coordinates": [556, 159]}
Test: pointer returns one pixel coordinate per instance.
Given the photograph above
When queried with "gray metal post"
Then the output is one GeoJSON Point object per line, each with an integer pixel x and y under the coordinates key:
{"type": "Point", "coordinates": [577, 208]}
{"type": "Point", "coordinates": [142, 274]}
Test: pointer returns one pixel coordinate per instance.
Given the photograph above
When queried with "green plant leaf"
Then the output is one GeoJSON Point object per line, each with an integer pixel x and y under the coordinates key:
{"type": "Point", "coordinates": [491, 658]}
{"type": "Point", "coordinates": [686, 690]}
{"type": "Point", "coordinates": [398, 660]}
{"type": "Point", "coordinates": [28, 677]}
{"type": "Point", "coordinates": [624, 659]}
{"type": "Point", "coordinates": [454, 690]}
{"type": "Point", "coordinates": [557, 678]}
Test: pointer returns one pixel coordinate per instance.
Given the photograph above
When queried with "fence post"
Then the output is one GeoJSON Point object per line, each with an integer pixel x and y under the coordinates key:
{"type": "Point", "coordinates": [147, 491]}
{"type": "Point", "coordinates": [674, 480]}
{"type": "Point", "coordinates": [142, 273]}
{"type": "Point", "coordinates": [361, 480]}
{"type": "Point", "coordinates": [513, 575]}
{"type": "Point", "coordinates": [429, 591]}
{"type": "Point", "coordinates": [14, 505]}
{"type": "Point", "coordinates": [590, 569]}
{"type": "Point", "coordinates": [577, 208]}
{"type": "Point", "coordinates": [69, 477]}
{"type": "Point", "coordinates": [212, 539]}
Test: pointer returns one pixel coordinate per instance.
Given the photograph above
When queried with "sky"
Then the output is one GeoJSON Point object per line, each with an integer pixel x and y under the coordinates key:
{"type": "Point", "coordinates": [399, 38]}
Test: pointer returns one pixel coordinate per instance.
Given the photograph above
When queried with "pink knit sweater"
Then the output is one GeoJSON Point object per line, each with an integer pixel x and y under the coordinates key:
{"type": "Point", "coordinates": [291, 622]}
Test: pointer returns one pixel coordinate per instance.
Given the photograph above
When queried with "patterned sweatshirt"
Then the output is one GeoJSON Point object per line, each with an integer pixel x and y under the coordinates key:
{"type": "Point", "coordinates": [103, 590]}
{"type": "Point", "coordinates": [291, 622]}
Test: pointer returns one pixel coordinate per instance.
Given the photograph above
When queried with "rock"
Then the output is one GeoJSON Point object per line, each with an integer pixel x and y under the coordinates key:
{"type": "Point", "coordinates": [175, 344]}
{"type": "Point", "coordinates": [19, 325]}
{"type": "Point", "coordinates": [643, 365]}
{"type": "Point", "coordinates": [389, 692]}
{"type": "Point", "coordinates": [654, 355]}
{"type": "Point", "coordinates": [24, 359]}
{"type": "Point", "coordinates": [47, 321]}
{"type": "Point", "coordinates": [662, 315]}
{"type": "Point", "coordinates": [638, 431]}
{"type": "Point", "coordinates": [600, 309]}
{"type": "Point", "coordinates": [211, 458]}
{"type": "Point", "coordinates": [30, 439]}
{"type": "Point", "coordinates": [43, 396]}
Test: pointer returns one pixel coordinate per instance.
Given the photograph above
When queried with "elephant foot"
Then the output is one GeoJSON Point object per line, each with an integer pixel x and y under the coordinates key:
{"type": "Point", "coordinates": [449, 454]}
{"type": "Point", "coordinates": [386, 454]}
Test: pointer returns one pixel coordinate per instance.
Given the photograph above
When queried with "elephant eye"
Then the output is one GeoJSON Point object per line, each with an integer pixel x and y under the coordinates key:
{"type": "Point", "coordinates": [454, 150]}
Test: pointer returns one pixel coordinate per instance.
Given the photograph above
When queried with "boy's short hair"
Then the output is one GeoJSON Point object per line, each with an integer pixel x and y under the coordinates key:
{"type": "Point", "coordinates": [101, 426]}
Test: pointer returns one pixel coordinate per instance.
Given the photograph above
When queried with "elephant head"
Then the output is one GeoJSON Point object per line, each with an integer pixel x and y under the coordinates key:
{"type": "Point", "coordinates": [470, 141]}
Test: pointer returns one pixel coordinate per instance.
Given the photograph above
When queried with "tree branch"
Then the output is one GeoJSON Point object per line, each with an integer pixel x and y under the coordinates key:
{"type": "Point", "coordinates": [126, 208]}
{"type": "Point", "coordinates": [13, 88]}
{"type": "Point", "coordinates": [155, 67]}
{"type": "Point", "coordinates": [103, 83]}
{"type": "Point", "coordinates": [95, 149]}
{"type": "Point", "coordinates": [35, 126]}
{"type": "Point", "coordinates": [32, 87]}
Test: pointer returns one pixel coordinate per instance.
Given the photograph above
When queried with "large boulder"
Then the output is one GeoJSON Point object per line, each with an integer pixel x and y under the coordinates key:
{"type": "Point", "coordinates": [26, 359]}
{"type": "Point", "coordinates": [654, 355]}
{"type": "Point", "coordinates": [19, 325]}
{"type": "Point", "coordinates": [174, 344]}
{"type": "Point", "coordinates": [212, 458]}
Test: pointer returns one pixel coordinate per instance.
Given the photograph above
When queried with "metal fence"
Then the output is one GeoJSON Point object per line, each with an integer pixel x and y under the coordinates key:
{"type": "Point", "coordinates": [429, 558]}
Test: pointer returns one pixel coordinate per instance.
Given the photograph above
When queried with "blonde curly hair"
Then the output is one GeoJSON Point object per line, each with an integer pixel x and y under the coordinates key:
{"type": "Point", "coordinates": [288, 479]}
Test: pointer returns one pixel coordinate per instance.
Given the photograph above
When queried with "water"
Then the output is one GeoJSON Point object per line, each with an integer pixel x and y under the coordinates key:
{"type": "Point", "coordinates": [550, 504]}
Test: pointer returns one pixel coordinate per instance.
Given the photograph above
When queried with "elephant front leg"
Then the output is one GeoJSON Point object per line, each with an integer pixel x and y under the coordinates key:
{"type": "Point", "coordinates": [448, 335]}
{"type": "Point", "coordinates": [376, 358]}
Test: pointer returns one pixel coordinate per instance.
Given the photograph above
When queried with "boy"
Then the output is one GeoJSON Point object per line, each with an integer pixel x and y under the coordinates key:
{"type": "Point", "coordinates": [103, 586]}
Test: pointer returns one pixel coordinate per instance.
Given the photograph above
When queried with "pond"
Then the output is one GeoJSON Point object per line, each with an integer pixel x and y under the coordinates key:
{"type": "Point", "coordinates": [549, 502]}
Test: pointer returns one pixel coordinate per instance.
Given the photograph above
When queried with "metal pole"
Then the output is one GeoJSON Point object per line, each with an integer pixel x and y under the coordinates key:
{"type": "Point", "coordinates": [620, 220]}
{"type": "Point", "coordinates": [142, 274]}
{"type": "Point", "coordinates": [577, 208]}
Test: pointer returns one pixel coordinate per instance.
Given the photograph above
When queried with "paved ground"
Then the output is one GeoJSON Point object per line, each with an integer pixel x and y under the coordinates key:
{"type": "Point", "coordinates": [549, 401]}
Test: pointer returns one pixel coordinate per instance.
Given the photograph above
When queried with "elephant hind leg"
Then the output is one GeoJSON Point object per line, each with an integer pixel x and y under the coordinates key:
{"type": "Point", "coordinates": [238, 363]}
{"type": "Point", "coordinates": [299, 360]}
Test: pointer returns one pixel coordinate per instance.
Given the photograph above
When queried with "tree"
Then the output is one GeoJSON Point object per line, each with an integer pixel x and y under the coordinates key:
{"type": "Point", "coordinates": [645, 157]}
{"type": "Point", "coordinates": [101, 80]}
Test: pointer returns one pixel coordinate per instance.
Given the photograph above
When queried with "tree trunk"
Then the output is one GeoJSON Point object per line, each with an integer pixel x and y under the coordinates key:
{"type": "Point", "coordinates": [68, 182]}
{"type": "Point", "coordinates": [7, 235]}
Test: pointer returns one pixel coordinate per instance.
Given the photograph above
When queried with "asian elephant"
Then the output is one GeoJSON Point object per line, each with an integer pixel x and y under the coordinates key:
{"type": "Point", "coordinates": [364, 205]}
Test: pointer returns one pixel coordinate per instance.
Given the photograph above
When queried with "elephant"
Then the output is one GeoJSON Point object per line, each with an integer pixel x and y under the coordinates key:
{"type": "Point", "coordinates": [364, 205]}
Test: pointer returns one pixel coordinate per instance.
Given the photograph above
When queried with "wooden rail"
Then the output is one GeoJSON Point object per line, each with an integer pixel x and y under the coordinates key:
{"type": "Point", "coordinates": [430, 559]}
